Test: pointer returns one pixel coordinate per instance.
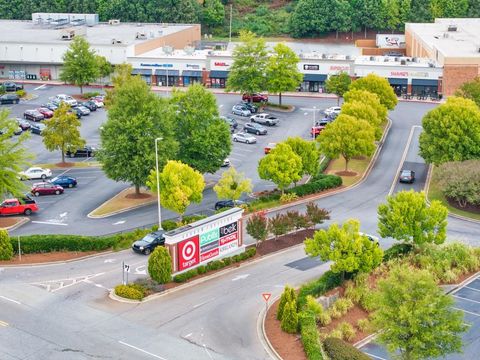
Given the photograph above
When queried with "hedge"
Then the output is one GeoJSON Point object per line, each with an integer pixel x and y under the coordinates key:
{"type": "Point", "coordinates": [318, 287]}
{"type": "Point", "coordinates": [396, 251]}
{"type": "Point", "coordinates": [320, 182]}
{"type": "Point", "coordinates": [310, 336]}
{"type": "Point", "coordinates": [130, 291]}
{"type": "Point", "coordinates": [337, 349]}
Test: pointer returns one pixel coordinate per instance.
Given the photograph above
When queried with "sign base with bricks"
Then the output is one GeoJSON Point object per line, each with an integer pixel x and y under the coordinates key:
{"type": "Point", "coordinates": [205, 240]}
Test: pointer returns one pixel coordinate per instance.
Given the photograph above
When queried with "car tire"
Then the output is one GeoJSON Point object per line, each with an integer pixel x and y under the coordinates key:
{"type": "Point", "coordinates": [27, 212]}
{"type": "Point", "coordinates": [235, 139]}
{"type": "Point", "coordinates": [258, 133]}
{"type": "Point", "coordinates": [147, 251]}
{"type": "Point", "coordinates": [247, 141]}
{"type": "Point", "coordinates": [37, 193]}
{"type": "Point", "coordinates": [43, 176]}
{"type": "Point", "coordinates": [57, 192]}
{"type": "Point", "coordinates": [70, 185]}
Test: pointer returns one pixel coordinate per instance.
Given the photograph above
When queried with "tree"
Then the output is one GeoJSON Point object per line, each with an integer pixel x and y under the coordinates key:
{"type": "Point", "coordinates": [342, 17]}
{"type": "Point", "coordinates": [308, 152]}
{"type": "Point", "coordinates": [289, 322]}
{"type": "Point", "coordinates": [6, 248]}
{"type": "Point", "coordinates": [349, 251]}
{"type": "Point", "coordinates": [420, 11]}
{"type": "Point", "coordinates": [213, 12]}
{"type": "Point", "coordinates": [179, 186]}
{"type": "Point", "coordinates": [257, 226]}
{"type": "Point", "coordinates": [288, 295]}
{"type": "Point", "coordinates": [62, 131]}
{"type": "Point", "coordinates": [247, 73]}
{"type": "Point", "coordinates": [391, 14]}
{"type": "Point", "coordinates": [415, 318]}
{"type": "Point", "coordinates": [367, 98]}
{"type": "Point", "coordinates": [338, 84]}
{"type": "Point", "coordinates": [311, 18]}
{"type": "Point", "coordinates": [204, 139]}
{"type": "Point", "coordinates": [368, 13]}
{"type": "Point", "coordinates": [363, 111]}
{"type": "Point", "coordinates": [13, 157]}
{"type": "Point", "coordinates": [316, 215]}
{"type": "Point", "coordinates": [460, 181]}
{"type": "Point", "coordinates": [406, 217]}
{"type": "Point", "coordinates": [282, 71]}
{"type": "Point", "coordinates": [449, 8]}
{"type": "Point", "coordinates": [279, 225]}
{"type": "Point", "coordinates": [104, 67]}
{"type": "Point", "coordinates": [377, 85]}
{"type": "Point", "coordinates": [122, 75]}
{"type": "Point", "coordinates": [136, 117]}
{"type": "Point", "coordinates": [473, 8]}
{"type": "Point", "coordinates": [451, 132]}
{"type": "Point", "coordinates": [299, 221]}
{"type": "Point", "coordinates": [232, 185]}
{"type": "Point", "coordinates": [80, 64]}
{"type": "Point", "coordinates": [281, 165]}
{"type": "Point", "coordinates": [348, 137]}
{"type": "Point", "coordinates": [160, 265]}
{"type": "Point", "coordinates": [470, 90]}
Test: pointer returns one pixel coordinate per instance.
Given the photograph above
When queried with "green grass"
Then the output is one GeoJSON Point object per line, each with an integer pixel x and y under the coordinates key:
{"type": "Point", "coordinates": [435, 193]}
{"type": "Point", "coordinates": [357, 165]}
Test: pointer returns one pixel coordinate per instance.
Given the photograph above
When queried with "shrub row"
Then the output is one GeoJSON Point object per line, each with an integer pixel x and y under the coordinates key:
{"type": "Point", "coordinates": [318, 287]}
{"type": "Point", "coordinates": [322, 182]}
{"type": "Point", "coordinates": [337, 349]}
{"type": "Point", "coordinates": [214, 265]}
{"type": "Point", "coordinates": [396, 251]}
{"type": "Point", "coordinates": [131, 291]}
{"type": "Point", "coordinates": [88, 95]}
{"type": "Point", "coordinates": [309, 336]}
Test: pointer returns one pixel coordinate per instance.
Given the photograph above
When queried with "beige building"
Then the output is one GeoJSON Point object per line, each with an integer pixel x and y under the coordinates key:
{"type": "Point", "coordinates": [453, 43]}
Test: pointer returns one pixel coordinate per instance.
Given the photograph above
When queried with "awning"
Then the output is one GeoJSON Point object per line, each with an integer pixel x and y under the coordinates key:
{"type": "Point", "coordinates": [218, 74]}
{"type": "Point", "coordinates": [167, 72]}
{"type": "Point", "coordinates": [314, 77]}
{"type": "Point", "coordinates": [395, 81]}
{"type": "Point", "coordinates": [141, 72]}
{"type": "Point", "coordinates": [192, 73]}
{"type": "Point", "coordinates": [424, 82]}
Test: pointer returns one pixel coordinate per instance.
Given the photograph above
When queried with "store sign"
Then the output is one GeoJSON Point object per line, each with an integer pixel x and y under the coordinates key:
{"type": "Point", "coordinates": [188, 253]}
{"type": "Point", "coordinates": [157, 65]}
{"type": "Point", "coordinates": [221, 63]}
{"type": "Point", "coordinates": [399, 73]}
{"type": "Point", "coordinates": [209, 255]}
{"type": "Point", "coordinates": [393, 41]}
{"type": "Point", "coordinates": [229, 238]}
{"type": "Point", "coordinates": [192, 66]}
{"type": "Point", "coordinates": [208, 247]}
{"type": "Point", "coordinates": [339, 68]}
{"type": "Point", "coordinates": [311, 67]}
{"type": "Point", "coordinates": [210, 236]}
{"type": "Point", "coordinates": [228, 247]}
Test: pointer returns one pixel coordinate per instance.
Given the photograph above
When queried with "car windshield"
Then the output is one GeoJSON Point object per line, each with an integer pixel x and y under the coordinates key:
{"type": "Point", "coordinates": [406, 173]}
{"type": "Point", "coordinates": [149, 238]}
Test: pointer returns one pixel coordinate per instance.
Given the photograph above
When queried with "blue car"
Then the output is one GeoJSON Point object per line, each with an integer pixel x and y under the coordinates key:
{"type": "Point", "coordinates": [64, 181]}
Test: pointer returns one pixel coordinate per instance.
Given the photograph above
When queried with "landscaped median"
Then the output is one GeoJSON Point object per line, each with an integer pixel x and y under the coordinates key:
{"type": "Point", "coordinates": [125, 200]}
{"type": "Point", "coordinates": [73, 164]}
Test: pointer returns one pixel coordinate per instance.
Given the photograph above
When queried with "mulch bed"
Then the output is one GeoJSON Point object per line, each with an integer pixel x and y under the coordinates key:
{"type": "Point", "coordinates": [47, 257]}
{"type": "Point", "coordinates": [138, 196]}
{"type": "Point", "coordinates": [6, 222]}
{"type": "Point", "coordinates": [283, 242]}
{"type": "Point", "coordinates": [65, 164]}
{"type": "Point", "coordinates": [469, 207]}
{"type": "Point", "coordinates": [346, 173]}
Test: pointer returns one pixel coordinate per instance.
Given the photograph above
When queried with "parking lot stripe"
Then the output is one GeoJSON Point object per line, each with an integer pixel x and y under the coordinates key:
{"type": "Point", "coordinates": [3, 323]}
{"type": "Point", "coordinates": [374, 356]}
{"type": "Point", "coordinates": [460, 297]}
{"type": "Point", "coordinates": [48, 223]}
{"type": "Point", "coordinates": [471, 288]}
{"type": "Point", "coordinates": [466, 311]}
{"type": "Point", "coordinates": [141, 350]}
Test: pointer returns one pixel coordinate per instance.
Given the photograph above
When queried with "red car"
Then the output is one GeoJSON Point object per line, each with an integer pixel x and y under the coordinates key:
{"type": "Point", "coordinates": [255, 98]}
{"type": "Point", "coordinates": [46, 188]}
{"type": "Point", "coordinates": [316, 130]}
{"type": "Point", "coordinates": [14, 206]}
{"type": "Point", "coordinates": [47, 113]}
{"type": "Point", "coordinates": [269, 147]}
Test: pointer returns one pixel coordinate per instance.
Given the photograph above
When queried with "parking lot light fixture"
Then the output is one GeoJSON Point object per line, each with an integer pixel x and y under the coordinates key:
{"type": "Point", "coordinates": [158, 184]}
{"type": "Point", "coordinates": [314, 111]}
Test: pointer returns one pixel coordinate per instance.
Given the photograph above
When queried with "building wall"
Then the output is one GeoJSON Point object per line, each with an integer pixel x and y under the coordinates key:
{"type": "Point", "coordinates": [455, 75]}
{"type": "Point", "coordinates": [177, 40]}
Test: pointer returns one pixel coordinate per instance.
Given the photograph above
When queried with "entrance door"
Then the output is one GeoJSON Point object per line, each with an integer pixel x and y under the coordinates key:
{"type": "Point", "coordinates": [186, 80]}
{"type": "Point", "coordinates": [314, 86]}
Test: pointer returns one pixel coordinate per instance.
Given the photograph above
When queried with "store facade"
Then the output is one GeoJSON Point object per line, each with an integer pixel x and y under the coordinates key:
{"type": "Point", "coordinates": [316, 73]}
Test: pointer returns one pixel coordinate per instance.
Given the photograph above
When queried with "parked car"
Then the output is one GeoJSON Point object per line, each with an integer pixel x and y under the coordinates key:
{"type": "Point", "coordinates": [24, 125]}
{"type": "Point", "coordinates": [86, 151]}
{"type": "Point", "coordinates": [332, 110]}
{"type": "Point", "coordinates": [407, 176]}
{"type": "Point", "coordinates": [99, 101]}
{"type": "Point", "coordinates": [230, 121]}
{"type": "Point", "coordinates": [241, 110]}
{"type": "Point", "coordinates": [34, 115]}
{"type": "Point", "coordinates": [264, 119]}
{"type": "Point", "coordinates": [46, 112]}
{"type": "Point", "coordinates": [245, 138]}
{"type": "Point", "coordinates": [83, 110]}
{"type": "Point", "coordinates": [255, 97]}
{"type": "Point", "coordinates": [35, 173]}
{"type": "Point", "coordinates": [50, 106]}
{"type": "Point", "coordinates": [64, 181]}
{"type": "Point", "coordinates": [226, 162]}
{"type": "Point", "coordinates": [227, 204]}
{"type": "Point", "coordinates": [269, 147]}
{"type": "Point", "coordinates": [24, 206]}
{"type": "Point", "coordinates": [372, 238]}
{"type": "Point", "coordinates": [255, 129]}
{"type": "Point", "coordinates": [46, 188]}
{"type": "Point", "coordinates": [250, 106]}
{"type": "Point", "coordinates": [90, 105]}
{"type": "Point", "coordinates": [9, 99]}
{"type": "Point", "coordinates": [11, 86]}
{"type": "Point", "coordinates": [316, 130]}
{"type": "Point", "coordinates": [37, 128]}
{"type": "Point", "coordinates": [149, 242]}
{"type": "Point", "coordinates": [57, 100]}
{"type": "Point", "coordinates": [75, 112]}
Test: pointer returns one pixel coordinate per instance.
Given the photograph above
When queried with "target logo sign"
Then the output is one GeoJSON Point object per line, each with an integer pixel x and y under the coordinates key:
{"type": "Point", "coordinates": [188, 253]}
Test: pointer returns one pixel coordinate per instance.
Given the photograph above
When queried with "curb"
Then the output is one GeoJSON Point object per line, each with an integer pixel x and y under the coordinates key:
{"type": "Point", "coordinates": [23, 220]}
{"type": "Point", "coordinates": [59, 262]}
{"type": "Point", "coordinates": [262, 334]}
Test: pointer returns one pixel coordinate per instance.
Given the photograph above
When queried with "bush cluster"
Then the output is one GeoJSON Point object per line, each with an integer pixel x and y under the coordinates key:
{"type": "Point", "coordinates": [309, 336]}
{"type": "Point", "coordinates": [337, 349]}
{"type": "Point", "coordinates": [6, 248]}
{"type": "Point", "coordinates": [214, 265]}
{"type": "Point", "coordinates": [88, 95]}
{"type": "Point", "coordinates": [319, 183]}
{"type": "Point", "coordinates": [131, 291]}
{"type": "Point", "coordinates": [21, 93]}
{"type": "Point", "coordinates": [318, 287]}
{"type": "Point", "coordinates": [160, 265]}
{"type": "Point", "coordinates": [397, 251]}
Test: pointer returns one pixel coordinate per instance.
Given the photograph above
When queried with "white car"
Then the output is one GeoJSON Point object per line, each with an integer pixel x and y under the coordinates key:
{"type": "Point", "coordinates": [97, 102]}
{"type": "Point", "coordinates": [245, 138]}
{"type": "Point", "coordinates": [241, 110]}
{"type": "Point", "coordinates": [66, 99]}
{"type": "Point", "coordinates": [35, 173]}
{"type": "Point", "coordinates": [226, 162]}
{"type": "Point", "coordinates": [372, 238]}
{"type": "Point", "coordinates": [333, 110]}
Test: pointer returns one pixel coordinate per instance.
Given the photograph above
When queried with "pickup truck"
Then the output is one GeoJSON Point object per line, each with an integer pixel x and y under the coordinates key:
{"type": "Point", "coordinates": [264, 119]}
{"type": "Point", "coordinates": [14, 206]}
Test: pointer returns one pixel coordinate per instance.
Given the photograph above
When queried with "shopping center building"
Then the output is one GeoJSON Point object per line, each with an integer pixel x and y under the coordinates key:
{"type": "Point", "coordinates": [170, 54]}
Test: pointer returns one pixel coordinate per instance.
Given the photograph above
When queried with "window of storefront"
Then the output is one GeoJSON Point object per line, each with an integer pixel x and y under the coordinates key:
{"type": "Point", "coordinates": [218, 78]}
{"type": "Point", "coordinates": [170, 77]}
{"type": "Point", "coordinates": [313, 83]}
{"type": "Point", "coordinates": [191, 77]}
{"type": "Point", "coordinates": [398, 85]}
{"type": "Point", "coordinates": [424, 87]}
{"type": "Point", "coordinates": [145, 74]}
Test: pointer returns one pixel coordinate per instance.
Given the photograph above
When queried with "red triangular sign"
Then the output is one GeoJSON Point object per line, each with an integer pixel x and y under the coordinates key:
{"type": "Point", "coordinates": [266, 296]}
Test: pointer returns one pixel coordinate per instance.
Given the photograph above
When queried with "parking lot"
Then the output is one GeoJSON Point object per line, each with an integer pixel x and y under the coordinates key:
{"type": "Point", "coordinates": [467, 299]}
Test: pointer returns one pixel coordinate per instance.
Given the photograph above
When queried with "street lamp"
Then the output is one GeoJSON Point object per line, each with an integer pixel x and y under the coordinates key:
{"type": "Point", "coordinates": [158, 185]}
{"type": "Point", "coordinates": [313, 126]}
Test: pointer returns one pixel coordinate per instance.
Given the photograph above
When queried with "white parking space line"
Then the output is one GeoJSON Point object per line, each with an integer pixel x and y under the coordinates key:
{"type": "Point", "coordinates": [375, 357]}
{"type": "Point", "coordinates": [471, 288]}
{"type": "Point", "coordinates": [11, 300]}
{"type": "Point", "coordinates": [466, 299]}
{"type": "Point", "coordinates": [49, 223]}
{"type": "Point", "coordinates": [141, 350]}
{"type": "Point", "coordinates": [3, 323]}
{"type": "Point", "coordinates": [466, 311]}
{"type": "Point", "coordinates": [40, 87]}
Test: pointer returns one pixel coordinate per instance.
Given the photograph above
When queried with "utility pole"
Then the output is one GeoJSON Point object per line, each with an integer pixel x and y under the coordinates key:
{"type": "Point", "coordinates": [230, 35]}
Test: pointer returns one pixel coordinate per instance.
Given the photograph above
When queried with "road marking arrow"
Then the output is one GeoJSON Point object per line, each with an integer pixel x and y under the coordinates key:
{"type": "Point", "coordinates": [109, 261]}
{"type": "Point", "coordinates": [141, 272]}
{"type": "Point", "coordinates": [240, 277]}
{"type": "Point", "coordinates": [119, 222]}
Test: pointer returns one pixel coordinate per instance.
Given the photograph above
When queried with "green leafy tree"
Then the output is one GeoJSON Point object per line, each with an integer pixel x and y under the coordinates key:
{"type": "Point", "coordinates": [391, 14]}
{"type": "Point", "coordinates": [288, 295]}
{"type": "Point", "coordinates": [282, 71]}
{"type": "Point", "coordinates": [180, 185]}
{"type": "Point", "coordinates": [62, 131]}
{"type": "Point", "coordinates": [308, 152]}
{"type": "Point", "coordinates": [473, 8]}
{"type": "Point", "coordinates": [316, 215]}
{"type": "Point", "coordinates": [406, 217]}
{"type": "Point", "coordinates": [377, 85]}
{"type": "Point", "coordinates": [338, 84]}
{"type": "Point", "coordinates": [281, 165]}
{"type": "Point", "coordinates": [213, 12]}
{"type": "Point", "coordinates": [342, 17]}
{"type": "Point", "coordinates": [247, 73]}
{"type": "Point", "coordinates": [349, 251]}
{"type": "Point", "coordinates": [470, 90]}
{"type": "Point", "coordinates": [13, 156]}
{"type": "Point", "coordinates": [348, 137]}
{"type": "Point", "coordinates": [415, 318]}
{"type": "Point", "coordinates": [257, 226]}
{"type": "Point", "coordinates": [80, 65]}
{"type": "Point", "coordinates": [6, 248]}
{"type": "Point", "coordinates": [460, 181]}
{"type": "Point", "coordinates": [368, 14]}
{"type": "Point", "coordinates": [204, 139]}
{"type": "Point", "coordinates": [449, 8]}
{"type": "Point", "coordinates": [311, 18]}
{"type": "Point", "coordinates": [289, 322]}
{"type": "Point", "coordinates": [451, 132]}
{"type": "Point", "coordinates": [367, 98]}
{"type": "Point", "coordinates": [104, 67]}
{"type": "Point", "coordinates": [299, 221]}
{"type": "Point", "coordinates": [160, 265]}
{"type": "Point", "coordinates": [232, 185]}
{"type": "Point", "coordinates": [362, 111]}
{"type": "Point", "coordinates": [136, 117]}
{"type": "Point", "coordinates": [420, 11]}
{"type": "Point", "coordinates": [122, 75]}
{"type": "Point", "coordinates": [279, 225]}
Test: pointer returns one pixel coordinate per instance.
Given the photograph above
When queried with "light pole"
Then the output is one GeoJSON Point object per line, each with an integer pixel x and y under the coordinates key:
{"type": "Point", "coordinates": [158, 185]}
{"type": "Point", "coordinates": [313, 126]}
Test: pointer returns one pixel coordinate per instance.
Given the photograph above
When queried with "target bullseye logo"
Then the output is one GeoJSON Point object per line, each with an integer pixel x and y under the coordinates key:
{"type": "Point", "coordinates": [188, 253]}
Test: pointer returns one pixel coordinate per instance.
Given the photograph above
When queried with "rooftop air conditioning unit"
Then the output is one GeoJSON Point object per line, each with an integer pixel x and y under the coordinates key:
{"type": "Point", "coordinates": [403, 62]}
{"type": "Point", "coordinates": [167, 50]}
{"type": "Point", "coordinates": [452, 28]}
{"type": "Point", "coordinates": [347, 57]}
{"type": "Point", "coordinates": [445, 35]}
{"type": "Point", "coordinates": [115, 41]}
{"type": "Point", "coordinates": [372, 58]}
{"type": "Point", "coordinates": [189, 50]}
{"type": "Point", "coordinates": [113, 22]}
{"type": "Point", "coordinates": [140, 35]}
{"type": "Point", "coordinates": [324, 56]}
{"type": "Point", "coordinates": [414, 59]}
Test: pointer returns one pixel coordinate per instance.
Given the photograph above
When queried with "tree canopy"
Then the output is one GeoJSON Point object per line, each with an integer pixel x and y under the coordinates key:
{"type": "Point", "coordinates": [460, 181]}
{"type": "Point", "coordinates": [367, 98]}
{"type": "Point", "coordinates": [338, 84]}
{"type": "Point", "coordinates": [232, 185]}
{"type": "Point", "coordinates": [377, 85]}
{"type": "Point", "coordinates": [308, 152]}
{"type": "Point", "coordinates": [363, 111]}
{"type": "Point", "coordinates": [470, 90]}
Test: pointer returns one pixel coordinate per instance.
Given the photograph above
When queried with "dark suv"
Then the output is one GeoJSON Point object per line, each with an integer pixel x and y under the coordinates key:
{"type": "Point", "coordinates": [9, 99]}
{"type": "Point", "coordinates": [11, 86]}
{"type": "Point", "coordinates": [149, 242]}
{"type": "Point", "coordinates": [86, 151]}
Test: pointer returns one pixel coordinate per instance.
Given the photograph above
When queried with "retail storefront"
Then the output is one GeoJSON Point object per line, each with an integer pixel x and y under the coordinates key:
{"type": "Point", "coordinates": [166, 77]}
{"type": "Point", "coordinates": [218, 79]}
{"type": "Point", "coordinates": [400, 86]}
{"type": "Point", "coordinates": [424, 87]}
{"type": "Point", "coordinates": [191, 77]}
{"type": "Point", "coordinates": [313, 83]}
{"type": "Point", "coordinates": [145, 74]}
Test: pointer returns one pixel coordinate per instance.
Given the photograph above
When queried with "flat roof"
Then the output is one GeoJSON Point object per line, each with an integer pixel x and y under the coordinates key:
{"type": "Point", "coordinates": [396, 61]}
{"type": "Point", "coordinates": [18, 31]}
{"type": "Point", "coordinates": [464, 42]}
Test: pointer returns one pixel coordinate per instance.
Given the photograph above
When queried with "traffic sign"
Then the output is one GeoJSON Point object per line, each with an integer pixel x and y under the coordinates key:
{"type": "Point", "coordinates": [126, 267]}
{"type": "Point", "coordinates": [266, 296]}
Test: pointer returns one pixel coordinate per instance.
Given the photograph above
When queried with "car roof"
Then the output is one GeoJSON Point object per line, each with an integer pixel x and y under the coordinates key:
{"type": "Point", "coordinates": [406, 171]}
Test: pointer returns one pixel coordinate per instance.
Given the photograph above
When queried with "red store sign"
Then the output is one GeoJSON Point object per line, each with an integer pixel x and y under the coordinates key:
{"type": "Point", "coordinates": [188, 252]}
{"type": "Point", "coordinates": [220, 63]}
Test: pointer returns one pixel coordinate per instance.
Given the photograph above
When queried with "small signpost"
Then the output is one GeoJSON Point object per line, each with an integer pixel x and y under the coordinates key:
{"type": "Point", "coordinates": [266, 297]}
{"type": "Point", "coordinates": [125, 269]}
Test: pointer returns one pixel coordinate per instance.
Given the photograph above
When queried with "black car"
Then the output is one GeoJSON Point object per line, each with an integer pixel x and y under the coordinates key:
{"type": "Point", "coordinates": [11, 86]}
{"type": "Point", "coordinates": [227, 204]}
{"type": "Point", "coordinates": [407, 176]}
{"type": "Point", "coordinates": [86, 151]}
{"type": "Point", "coordinates": [76, 112]}
{"type": "Point", "coordinates": [253, 109]}
{"type": "Point", "coordinates": [9, 99]}
{"type": "Point", "coordinates": [90, 105]}
{"type": "Point", "coordinates": [149, 242]}
{"type": "Point", "coordinates": [50, 106]}
{"type": "Point", "coordinates": [255, 128]}
{"type": "Point", "coordinates": [64, 181]}
{"type": "Point", "coordinates": [37, 128]}
{"type": "Point", "coordinates": [24, 125]}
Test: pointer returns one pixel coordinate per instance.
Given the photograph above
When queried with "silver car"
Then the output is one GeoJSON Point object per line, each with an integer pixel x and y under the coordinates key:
{"type": "Point", "coordinates": [241, 110]}
{"type": "Point", "coordinates": [245, 138]}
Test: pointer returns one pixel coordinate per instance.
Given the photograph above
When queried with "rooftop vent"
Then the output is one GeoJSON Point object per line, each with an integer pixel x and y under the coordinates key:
{"type": "Point", "coordinates": [452, 27]}
{"type": "Point", "coordinates": [113, 22]}
{"type": "Point", "coordinates": [372, 58]}
{"type": "Point", "coordinates": [189, 50]}
{"type": "Point", "coordinates": [115, 41]}
{"type": "Point", "coordinates": [445, 35]}
{"type": "Point", "coordinates": [140, 35]}
{"type": "Point", "coordinates": [403, 62]}
{"type": "Point", "coordinates": [167, 50]}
